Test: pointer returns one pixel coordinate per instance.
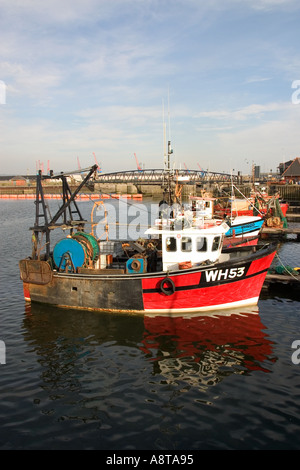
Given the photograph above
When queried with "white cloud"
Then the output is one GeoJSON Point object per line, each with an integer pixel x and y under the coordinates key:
{"type": "Point", "coordinates": [90, 75]}
{"type": "Point", "coordinates": [253, 110]}
{"type": "Point", "coordinates": [271, 4]}
{"type": "Point", "coordinates": [267, 145]}
{"type": "Point", "coordinates": [257, 79]}
{"type": "Point", "coordinates": [55, 10]}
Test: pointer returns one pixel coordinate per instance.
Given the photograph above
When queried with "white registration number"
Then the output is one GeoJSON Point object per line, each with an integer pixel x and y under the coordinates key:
{"type": "Point", "coordinates": [222, 274]}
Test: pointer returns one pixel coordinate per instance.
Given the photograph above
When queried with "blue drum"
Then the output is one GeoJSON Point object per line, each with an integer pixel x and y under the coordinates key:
{"type": "Point", "coordinates": [69, 253]}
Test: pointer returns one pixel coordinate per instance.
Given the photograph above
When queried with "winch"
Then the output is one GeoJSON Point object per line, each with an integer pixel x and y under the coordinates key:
{"type": "Point", "coordinates": [136, 265]}
{"type": "Point", "coordinates": [80, 249]}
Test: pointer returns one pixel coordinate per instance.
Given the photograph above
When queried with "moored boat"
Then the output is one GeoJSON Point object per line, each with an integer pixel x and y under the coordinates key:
{"type": "Point", "coordinates": [243, 229]}
{"type": "Point", "coordinates": [245, 226]}
{"type": "Point", "coordinates": [258, 204]}
{"type": "Point", "coordinates": [179, 267]}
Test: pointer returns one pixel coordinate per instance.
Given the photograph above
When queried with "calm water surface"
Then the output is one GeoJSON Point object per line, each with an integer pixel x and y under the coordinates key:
{"type": "Point", "coordinates": [84, 380]}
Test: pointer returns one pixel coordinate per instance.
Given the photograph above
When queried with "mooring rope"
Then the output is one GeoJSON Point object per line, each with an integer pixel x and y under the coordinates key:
{"type": "Point", "coordinates": [285, 269]}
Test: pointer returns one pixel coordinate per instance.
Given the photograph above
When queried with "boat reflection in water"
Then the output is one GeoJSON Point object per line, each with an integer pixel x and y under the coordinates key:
{"type": "Point", "coordinates": [200, 350]}
{"type": "Point", "coordinates": [203, 350]}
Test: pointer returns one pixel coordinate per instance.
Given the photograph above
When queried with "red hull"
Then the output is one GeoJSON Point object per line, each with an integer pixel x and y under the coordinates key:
{"type": "Point", "coordinates": [236, 241]}
{"type": "Point", "coordinates": [284, 207]}
{"type": "Point", "coordinates": [214, 288]}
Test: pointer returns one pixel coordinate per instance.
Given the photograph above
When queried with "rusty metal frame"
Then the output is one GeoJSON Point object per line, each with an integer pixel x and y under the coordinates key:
{"type": "Point", "coordinates": [44, 223]}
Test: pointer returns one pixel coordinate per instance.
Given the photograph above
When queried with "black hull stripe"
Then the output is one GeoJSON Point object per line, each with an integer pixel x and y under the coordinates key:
{"type": "Point", "coordinates": [207, 284]}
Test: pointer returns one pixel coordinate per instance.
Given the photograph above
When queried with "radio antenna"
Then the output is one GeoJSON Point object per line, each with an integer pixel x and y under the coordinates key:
{"type": "Point", "coordinates": [169, 114]}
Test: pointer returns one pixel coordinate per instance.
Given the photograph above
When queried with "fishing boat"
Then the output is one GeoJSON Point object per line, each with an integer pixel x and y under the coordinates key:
{"type": "Point", "coordinates": [243, 229]}
{"type": "Point", "coordinates": [258, 204]}
{"type": "Point", "coordinates": [178, 267]}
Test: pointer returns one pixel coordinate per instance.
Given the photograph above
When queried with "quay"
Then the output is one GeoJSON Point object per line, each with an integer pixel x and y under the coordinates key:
{"type": "Point", "coordinates": [281, 278]}
{"type": "Point", "coordinates": [270, 232]}
{"type": "Point", "coordinates": [79, 197]}
{"type": "Point", "coordinates": [283, 284]}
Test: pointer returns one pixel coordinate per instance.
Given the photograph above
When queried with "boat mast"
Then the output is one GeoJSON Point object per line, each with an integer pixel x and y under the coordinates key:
{"type": "Point", "coordinates": [164, 138]}
{"type": "Point", "coordinates": [168, 175]}
{"type": "Point", "coordinates": [232, 198]}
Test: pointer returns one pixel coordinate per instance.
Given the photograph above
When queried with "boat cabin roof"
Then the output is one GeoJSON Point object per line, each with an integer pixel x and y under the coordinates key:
{"type": "Point", "coordinates": [202, 230]}
{"type": "Point", "coordinates": [192, 244]}
{"type": "Point", "coordinates": [199, 198]}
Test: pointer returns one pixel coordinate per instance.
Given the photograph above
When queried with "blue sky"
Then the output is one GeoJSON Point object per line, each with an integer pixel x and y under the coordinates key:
{"type": "Point", "coordinates": [93, 76]}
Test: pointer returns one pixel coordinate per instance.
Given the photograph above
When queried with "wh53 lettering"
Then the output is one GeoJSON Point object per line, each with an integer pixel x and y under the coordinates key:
{"type": "Point", "coordinates": [222, 274]}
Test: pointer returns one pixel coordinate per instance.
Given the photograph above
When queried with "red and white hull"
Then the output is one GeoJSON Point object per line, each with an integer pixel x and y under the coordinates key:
{"type": "Point", "coordinates": [226, 286]}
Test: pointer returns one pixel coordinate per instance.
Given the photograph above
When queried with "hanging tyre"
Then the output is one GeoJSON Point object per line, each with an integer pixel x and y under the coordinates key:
{"type": "Point", "coordinates": [167, 286]}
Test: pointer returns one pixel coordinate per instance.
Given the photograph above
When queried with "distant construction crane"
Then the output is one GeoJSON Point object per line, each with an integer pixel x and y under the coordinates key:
{"type": "Point", "coordinates": [137, 163]}
{"type": "Point", "coordinates": [203, 172]}
{"type": "Point", "coordinates": [39, 166]}
{"type": "Point", "coordinates": [99, 168]}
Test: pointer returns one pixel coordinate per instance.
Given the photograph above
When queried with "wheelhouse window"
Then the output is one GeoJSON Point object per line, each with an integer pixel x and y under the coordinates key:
{"type": "Point", "coordinates": [186, 244]}
{"type": "Point", "coordinates": [201, 244]}
{"type": "Point", "coordinates": [171, 244]}
{"type": "Point", "coordinates": [216, 243]}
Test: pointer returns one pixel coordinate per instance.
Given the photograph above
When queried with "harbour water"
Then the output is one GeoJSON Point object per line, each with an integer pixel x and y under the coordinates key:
{"type": "Point", "coordinates": [85, 380]}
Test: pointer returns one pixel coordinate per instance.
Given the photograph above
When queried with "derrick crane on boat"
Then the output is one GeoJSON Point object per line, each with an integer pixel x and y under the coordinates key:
{"type": "Point", "coordinates": [44, 222]}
